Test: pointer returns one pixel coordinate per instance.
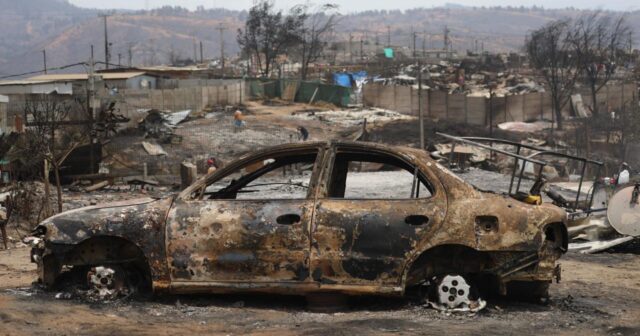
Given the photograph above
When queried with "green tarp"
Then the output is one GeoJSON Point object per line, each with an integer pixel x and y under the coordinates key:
{"type": "Point", "coordinates": [272, 88]}
{"type": "Point", "coordinates": [388, 52]}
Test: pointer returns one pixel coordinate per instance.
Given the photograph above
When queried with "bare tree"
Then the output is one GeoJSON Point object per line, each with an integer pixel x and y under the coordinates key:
{"type": "Point", "coordinates": [269, 34]}
{"type": "Point", "coordinates": [130, 47]}
{"type": "Point", "coordinates": [317, 29]}
{"type": "Point", "coordinates": [174, 56]}
{"type": "Point", "coordinates": [48, 113]}
{"type": "Point", "coordinates": [150, 52]}
{"type": "Point", "coordinates": [598, 41]}
{"type": "Point", "coordinates": [549, 51]}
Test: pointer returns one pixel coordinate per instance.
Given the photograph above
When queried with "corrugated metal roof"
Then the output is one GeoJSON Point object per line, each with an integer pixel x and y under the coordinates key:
{"type": "Point", "coordinates": [25, 82]}
{"type": "Point", "coordinates": [76, 77]}
{"type": "Point", "coordinates": [172, 68]}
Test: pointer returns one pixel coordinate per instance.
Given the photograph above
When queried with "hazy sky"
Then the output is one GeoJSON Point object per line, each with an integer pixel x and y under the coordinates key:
{"type": "Point", "coordinates": [359, 5]}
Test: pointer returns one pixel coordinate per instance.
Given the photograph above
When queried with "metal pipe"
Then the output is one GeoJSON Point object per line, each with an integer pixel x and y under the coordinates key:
{"type": "Point", "coordinates": [539, 149]}
{"type": "Point", "coordinates": [584, 168]}
{"type": "Point", "coordinates": [515, 168]}
{"type": "Point", "coordinates": [465, 140]}
{"type": "Point", "coordinates": [520, 177]}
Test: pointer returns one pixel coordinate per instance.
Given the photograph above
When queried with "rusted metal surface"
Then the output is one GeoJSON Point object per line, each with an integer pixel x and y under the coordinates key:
{"type": "Point", "coordinates": [140, 222]}
{"type": "Point", "coordinates": [328, 243]}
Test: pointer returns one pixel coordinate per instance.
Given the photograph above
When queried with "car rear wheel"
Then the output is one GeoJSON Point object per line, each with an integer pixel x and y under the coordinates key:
{"type": "Point", "coordinates": [453, 292]}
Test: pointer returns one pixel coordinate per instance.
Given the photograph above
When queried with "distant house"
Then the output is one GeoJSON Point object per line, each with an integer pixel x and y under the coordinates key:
{"type": "Point", "coordinates": [168, 72]}
{"type": "Point", "coordinates": [64, 83]}
{"type": "Point", "coordinates": [119, 80]}
{"type": "Point", "coordinates": [4, 123]}
{"type": "Point", "coordinates": [30, 86]}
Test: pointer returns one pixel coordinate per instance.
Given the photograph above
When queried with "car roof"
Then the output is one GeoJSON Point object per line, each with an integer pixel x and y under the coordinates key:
{"type": "Point", "coordinates": [346, 143]}
{"type": "Point", "coordinates": [308, 145]}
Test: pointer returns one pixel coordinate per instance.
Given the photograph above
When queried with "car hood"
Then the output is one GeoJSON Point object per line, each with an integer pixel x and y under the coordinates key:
{"type": "Point", "coordinates": [127, 219]}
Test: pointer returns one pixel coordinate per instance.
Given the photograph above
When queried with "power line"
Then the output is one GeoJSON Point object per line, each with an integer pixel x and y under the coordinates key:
{"type": "Point", "coordinates": [41, 71]}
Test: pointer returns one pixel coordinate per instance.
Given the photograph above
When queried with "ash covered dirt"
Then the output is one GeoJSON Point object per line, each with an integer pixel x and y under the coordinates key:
{"type": "Point", "coordinates": [598, 295]}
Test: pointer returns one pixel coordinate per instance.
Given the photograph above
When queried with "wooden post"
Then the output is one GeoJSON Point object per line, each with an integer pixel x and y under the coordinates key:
{"type": "Point", "coordinates": [541, 95]}
{"type": "Point", "coordinates": [144, 171]}
{"type": "Point", "coordinates": [188, 174]}
{"type": "Point", "coordinates": [524, 107]}
{"type": "Point", "coordinates": [466, 110]}
{"type": "Point", "coordinates": [446, 105]}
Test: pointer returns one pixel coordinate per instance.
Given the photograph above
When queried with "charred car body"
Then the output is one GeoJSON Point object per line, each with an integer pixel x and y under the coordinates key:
{"type": "Point", "coordinates": [321, 235]}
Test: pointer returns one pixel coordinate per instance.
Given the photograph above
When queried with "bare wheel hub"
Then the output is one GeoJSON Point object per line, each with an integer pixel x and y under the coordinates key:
{"type": "Point", "coordinates": [106, 283]}
{"type": "Point", "coordinates": [453, 293]}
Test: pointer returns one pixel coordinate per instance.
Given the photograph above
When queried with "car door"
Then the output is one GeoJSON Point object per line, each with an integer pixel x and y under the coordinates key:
{"type": "Point", "coordinates": [241, 233]}
{"type": "Point", "coordinates": [370, 215]}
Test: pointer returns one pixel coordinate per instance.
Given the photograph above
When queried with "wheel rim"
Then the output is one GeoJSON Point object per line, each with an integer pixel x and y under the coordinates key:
{"type": "Point", "coordinates": [453, 293]}
{"type": "Point", "coordinates": [106, 283]}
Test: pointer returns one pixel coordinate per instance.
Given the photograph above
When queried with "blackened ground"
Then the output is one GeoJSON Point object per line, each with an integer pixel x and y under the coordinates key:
{"type": "Point", "coordinates": [599, 295]}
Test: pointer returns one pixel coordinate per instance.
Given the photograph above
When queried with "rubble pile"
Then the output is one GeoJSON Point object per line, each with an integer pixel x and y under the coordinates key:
{"type": "Point", "coordinates": [457, 78]}
{"type": "Point", "coordinates": [352, 117]}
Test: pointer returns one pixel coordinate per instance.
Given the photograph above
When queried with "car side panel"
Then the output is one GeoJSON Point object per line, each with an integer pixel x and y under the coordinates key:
{"type": "Point", "coordinates": [367, 242]}
{"type": "Point", "coordinates": [238, 241]}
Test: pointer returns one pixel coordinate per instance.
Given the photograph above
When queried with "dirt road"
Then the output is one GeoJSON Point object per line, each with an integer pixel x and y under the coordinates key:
{"type": "Point", "coordinates": [599, 295]}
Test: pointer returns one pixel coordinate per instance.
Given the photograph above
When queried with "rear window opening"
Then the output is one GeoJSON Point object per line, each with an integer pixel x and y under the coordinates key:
{"type": "Point", "coordinates": [376, 176]}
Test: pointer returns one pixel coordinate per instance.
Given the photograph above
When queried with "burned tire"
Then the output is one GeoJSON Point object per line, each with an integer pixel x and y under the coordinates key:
{"type": "Point", "coordinates": [110, 282]}
{"type": "Point", "coordinates": [531, 291]}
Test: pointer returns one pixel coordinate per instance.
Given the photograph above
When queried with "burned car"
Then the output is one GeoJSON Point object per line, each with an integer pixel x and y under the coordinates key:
{"type": "Point", "coordinates": [309, 218]}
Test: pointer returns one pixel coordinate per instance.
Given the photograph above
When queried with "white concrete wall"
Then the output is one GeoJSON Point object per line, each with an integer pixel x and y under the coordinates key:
{"type": "Point", "coordinates": [61, 88]}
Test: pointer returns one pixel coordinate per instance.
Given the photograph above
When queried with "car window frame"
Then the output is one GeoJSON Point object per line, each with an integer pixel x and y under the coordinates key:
{"type": "Point", "coordinates": [251, 158]}
{"type": "Point", "coordinates": [423, 176]}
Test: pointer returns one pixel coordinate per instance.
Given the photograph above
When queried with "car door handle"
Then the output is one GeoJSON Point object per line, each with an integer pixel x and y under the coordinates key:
{"type": "Point", "coordinates": [416, 220]}
{"type": "Point", "coordinates": [288, 219]}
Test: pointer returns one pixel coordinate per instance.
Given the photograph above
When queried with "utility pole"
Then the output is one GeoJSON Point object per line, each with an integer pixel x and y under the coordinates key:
{"type": "Point", "coordinates": [107, 55]}
{"type": "Point", "coordinates": [201, 53]}
{"type": "Point", "coordinates": [44, 57]}
{"type": "Point", "coordinates": [415, 35]}
{"type": "Point", "coordinates": [388, 36]}
{"type": "Point", "coordinates": [351, 47]}
{"type": "Point", "coordinates": [630, 45]}
{"type": "Point", "coordinates": [195, 51]}
{"type": "Point", "coordinates": [361, 49]}
{"type": "Point", "coordinates": [221, 29]}
{"type": "Point", "coordinates": [424, 43]}
{"type": "Point", "coordinates": [130, 54]}
{"type": "Point", "coordinates": [91, 107]}
{"type": "Point", "coordinates": [119, 60]}
{"type": "Point", "coordinates": [446, 38]}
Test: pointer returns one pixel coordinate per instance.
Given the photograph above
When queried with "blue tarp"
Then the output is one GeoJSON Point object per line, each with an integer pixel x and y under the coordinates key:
{"type": "Point", "coordinates": [342, 79]}
{"type": "Point", "coordinates": [347, 79]}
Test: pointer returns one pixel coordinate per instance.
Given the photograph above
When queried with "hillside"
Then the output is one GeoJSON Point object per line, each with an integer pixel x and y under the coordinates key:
{"type": "Point", "coordinates": [67, 32]}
